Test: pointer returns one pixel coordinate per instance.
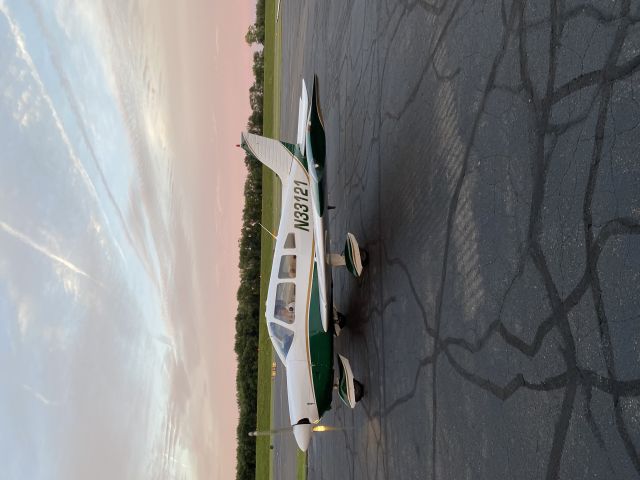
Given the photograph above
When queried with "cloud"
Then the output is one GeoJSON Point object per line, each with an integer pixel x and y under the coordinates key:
{"type": "Point", "coordinates": [24, 55]}
{"type": "Point", "coordinates": [40, 397]}
{"type": "Point", "coordinates": [24, 119]}
{"type": "Point", "coordinates": [42, 249]}
{"type": "Point", "coordinates": [24, 318]}
{"type": "Point", "coordinates": [118, 400]}
{"type": "Point", "coordinates": [27, 109]}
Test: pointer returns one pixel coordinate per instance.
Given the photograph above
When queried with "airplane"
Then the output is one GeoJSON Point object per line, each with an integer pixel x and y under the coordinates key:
{"type": "Point", "coordinates": [301, 318]}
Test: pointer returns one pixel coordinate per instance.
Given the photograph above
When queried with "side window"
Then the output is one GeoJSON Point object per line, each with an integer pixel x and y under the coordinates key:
{"type": "Point", "coordinates": [287, 267]}
{"type": "Point", "coordinates": [282, 338]}
{"type": "Point", "coordinates": [285, 302]}
{"type": "Point", "coordinates": [290, 242]}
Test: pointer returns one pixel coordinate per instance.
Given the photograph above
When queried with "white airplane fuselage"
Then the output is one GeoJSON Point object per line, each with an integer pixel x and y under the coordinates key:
{"type": "Point", "coordinates": [300, 242]}
{"type": "Point", "coordinates": [299, 306]}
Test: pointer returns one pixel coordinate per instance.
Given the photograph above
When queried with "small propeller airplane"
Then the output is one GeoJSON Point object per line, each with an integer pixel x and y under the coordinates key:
{"type": "Point", "coordinates": [301, 318]}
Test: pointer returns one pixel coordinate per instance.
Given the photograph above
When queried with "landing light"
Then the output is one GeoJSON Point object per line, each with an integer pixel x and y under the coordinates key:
{"type": "Point", "coordinates": [323, 428]}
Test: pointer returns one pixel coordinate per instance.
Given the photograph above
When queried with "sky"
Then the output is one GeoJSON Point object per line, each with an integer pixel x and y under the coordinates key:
{"type": "Point", "coordinates": [120, 214]}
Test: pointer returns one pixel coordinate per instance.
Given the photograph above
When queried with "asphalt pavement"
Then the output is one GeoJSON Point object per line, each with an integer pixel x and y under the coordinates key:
{"type": "Point", "coordinates": [486, 153]}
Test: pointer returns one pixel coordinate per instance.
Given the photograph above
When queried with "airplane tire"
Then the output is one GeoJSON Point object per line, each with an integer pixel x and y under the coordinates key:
{"type": "Point", "coordinates": [358, 390]}
{"type": "Point", "coordinates": [341, 320]}
{"type": "Point", "coordinates": [364, 257]}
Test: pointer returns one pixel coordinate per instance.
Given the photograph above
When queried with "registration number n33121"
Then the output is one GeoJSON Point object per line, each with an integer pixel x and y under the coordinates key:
{"type": "Point", "coordinates": [301, 205]}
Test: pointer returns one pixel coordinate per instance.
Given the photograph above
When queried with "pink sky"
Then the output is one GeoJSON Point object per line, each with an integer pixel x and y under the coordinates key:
{"type": "Point", "coordinates": [211, 76]}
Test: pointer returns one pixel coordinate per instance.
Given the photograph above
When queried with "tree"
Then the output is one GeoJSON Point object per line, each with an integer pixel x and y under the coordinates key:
{"type": "Point", "coordinates": [248, 295]}
{"type": "Point", "coordinates": [255, 34]}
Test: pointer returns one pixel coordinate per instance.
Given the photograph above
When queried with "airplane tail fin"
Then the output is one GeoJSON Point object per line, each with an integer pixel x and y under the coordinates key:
{"type": "Point", "coordinates": [272, 153]}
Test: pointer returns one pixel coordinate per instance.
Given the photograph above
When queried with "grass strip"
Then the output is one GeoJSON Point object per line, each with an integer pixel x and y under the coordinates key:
{"type": "Point", "coordinates": [301, 466]}
{"type": "Point", "coordinates": [270, 208]}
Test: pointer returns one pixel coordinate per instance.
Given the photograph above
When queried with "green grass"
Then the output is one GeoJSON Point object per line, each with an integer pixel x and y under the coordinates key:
{"type": "Point", "coordinates": [270, 209]}
{"type": "Point", "coordinates": [265, 353]}
{"type": "Point", "coordinates": [271, 194]}
{"type": "Point", "coordinates": [302, 466]}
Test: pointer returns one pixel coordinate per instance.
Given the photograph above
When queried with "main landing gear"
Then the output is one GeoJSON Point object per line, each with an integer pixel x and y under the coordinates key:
{"type": "Point", "coordinates": [339, 322]}
{"type": "Point", "coordinates": [358, 390]}
{"type": "Point", "coordinates": [350, 390]}
{"type": "Point", "coordinates": [354, 257]}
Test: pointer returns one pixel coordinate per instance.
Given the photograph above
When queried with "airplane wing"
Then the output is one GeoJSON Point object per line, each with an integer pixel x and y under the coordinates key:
{"type": "Point", "coordinates": [303, 111]}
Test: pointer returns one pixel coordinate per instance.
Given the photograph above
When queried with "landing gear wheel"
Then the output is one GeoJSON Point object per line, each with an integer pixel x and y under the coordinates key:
{"type": "Point", "coordinates": [364, 257]}
{"type": "Point", "coordinates": [358, 390]}
{"type": "Point", "coordinates": [339, 322]}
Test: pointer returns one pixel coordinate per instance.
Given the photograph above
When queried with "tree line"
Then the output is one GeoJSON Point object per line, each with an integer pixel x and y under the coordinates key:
{"type": "Point", "coordinates": [248, 314]}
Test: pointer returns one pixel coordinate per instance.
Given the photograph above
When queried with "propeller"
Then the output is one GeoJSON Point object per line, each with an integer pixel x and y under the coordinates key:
{"type": "Point", "coordinates": [275, 431]}
{"type": "Point", "coordinates": [301, 431]}
{"type": "Point", "coordinates": [278, 431]}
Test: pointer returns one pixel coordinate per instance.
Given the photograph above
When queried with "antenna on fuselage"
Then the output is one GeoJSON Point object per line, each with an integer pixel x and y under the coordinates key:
{"type": "Point", "coordinates": [267, 230]}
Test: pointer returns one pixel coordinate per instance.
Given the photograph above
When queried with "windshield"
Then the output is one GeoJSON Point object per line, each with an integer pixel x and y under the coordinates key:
{"type": "Point", "coordinates": [281, 337]}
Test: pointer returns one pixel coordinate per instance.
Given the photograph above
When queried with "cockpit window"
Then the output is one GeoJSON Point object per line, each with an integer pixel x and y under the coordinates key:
{"type": "Point", "coordinates": [282, 338]}
{"type": "Point", "coordinates": [290, 242]}
{"type": "Point", "coordinates": [286, 302]}
{"type": "Point", "coordinates": [287, 267]}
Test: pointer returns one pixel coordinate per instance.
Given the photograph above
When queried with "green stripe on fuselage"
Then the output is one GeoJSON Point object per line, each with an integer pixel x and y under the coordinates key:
{"type": "Point", "coordinates": [319, 190]}
{"type": "Point", "coordinates": [295, 151]}
{"type": "Point", "coordinates": [321, 349]}
{"type": "Point", "coordinates": [318, 161]}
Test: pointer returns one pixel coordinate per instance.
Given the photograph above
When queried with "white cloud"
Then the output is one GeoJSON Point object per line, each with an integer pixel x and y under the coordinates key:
{"type": "Point", "coordinates": [27, 117]}
{"type": "Point", "coordinates": [39, 396]}
{"type": "Point", "coordinates": [25, 314]}
{"type": "Point", "coordinates": [24, 55]}
{"type": "Point", "coordinates": [42, 249]}
{"type": "Point", "coordinates": [57, 337]}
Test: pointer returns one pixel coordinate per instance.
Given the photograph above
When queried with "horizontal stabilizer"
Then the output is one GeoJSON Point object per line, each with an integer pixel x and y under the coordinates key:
{"type": "Point", "coordinates": [270, 152]}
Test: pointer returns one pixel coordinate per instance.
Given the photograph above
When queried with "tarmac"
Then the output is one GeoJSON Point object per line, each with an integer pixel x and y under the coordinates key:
{"type": "Point", "coordinates": [486, 154]}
